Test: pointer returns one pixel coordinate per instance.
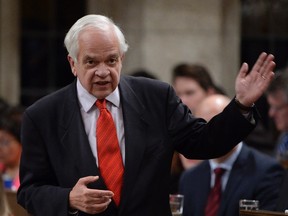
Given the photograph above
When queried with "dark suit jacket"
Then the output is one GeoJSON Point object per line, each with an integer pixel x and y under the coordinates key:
{"type": "Point", "coordinates": [282, 203]}
{"type": "Point", "coordinates": [56, 152]}
{"type": "Point", "coordinates": [253, 176]}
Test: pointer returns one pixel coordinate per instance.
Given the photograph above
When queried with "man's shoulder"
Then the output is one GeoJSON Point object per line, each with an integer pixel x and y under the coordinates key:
{"type": "Point", "coordinates": [142, 81]}
{"type": "Point", "coordinates": [261, 160]}
{"type": "Point", "coordinates": [55, 98]}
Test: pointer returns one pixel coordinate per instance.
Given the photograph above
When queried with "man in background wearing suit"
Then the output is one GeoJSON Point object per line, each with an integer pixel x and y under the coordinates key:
{"type": "Point", "coordinates": [277, 97]}
{"type": "Point", "coordinates": [248, 174]}
{"type": "Point", "coordinates": [60, 169]}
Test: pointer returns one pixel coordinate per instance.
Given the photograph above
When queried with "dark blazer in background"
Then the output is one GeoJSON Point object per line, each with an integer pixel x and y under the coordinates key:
{"type": "Point", "coordinates": [56, 151]}
{"type": "Point", "coordinates": [253, 176]}
{"type": "Point", "coordinates": [282, 203]}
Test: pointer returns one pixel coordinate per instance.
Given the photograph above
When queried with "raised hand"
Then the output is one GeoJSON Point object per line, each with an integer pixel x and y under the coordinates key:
{"type": "Point", "coordinates": [251, 85]}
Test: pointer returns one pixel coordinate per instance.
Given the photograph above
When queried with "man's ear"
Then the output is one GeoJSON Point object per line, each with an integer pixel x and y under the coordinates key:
{"type": "Point", "coordinates": [72, 65]}
{"type": "Point", "coordinates": [122, 57]}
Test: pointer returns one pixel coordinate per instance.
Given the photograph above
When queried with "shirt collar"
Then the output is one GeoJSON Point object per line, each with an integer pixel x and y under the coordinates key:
{"type": "Point", "coordinates": [87, 101]}
{"type": "Point", "coordinates": [228, 163]}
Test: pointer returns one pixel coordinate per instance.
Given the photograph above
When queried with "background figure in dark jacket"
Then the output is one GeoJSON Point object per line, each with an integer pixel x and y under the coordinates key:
{"type": "Point", "coordinates": [249, 174]}
{"type": "Point", "coordinates": [282, 203]}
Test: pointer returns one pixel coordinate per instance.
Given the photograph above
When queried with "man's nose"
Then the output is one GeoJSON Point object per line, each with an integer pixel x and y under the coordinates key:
{"type": "Point", "coordinates": [102, 70]}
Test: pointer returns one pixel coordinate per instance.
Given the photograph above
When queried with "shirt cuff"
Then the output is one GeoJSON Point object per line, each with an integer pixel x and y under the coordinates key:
{"type": "Point", "coordinates": [73, 212]}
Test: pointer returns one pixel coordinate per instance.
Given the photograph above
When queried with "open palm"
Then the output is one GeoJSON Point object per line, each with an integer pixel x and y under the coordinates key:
{"type": "Point", "coordinates": [251, 85]}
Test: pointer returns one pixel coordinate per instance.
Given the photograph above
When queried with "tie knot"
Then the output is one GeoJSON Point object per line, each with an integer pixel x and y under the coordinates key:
{"type": "Point", "coordinates": [219, 171]}
{"type": "Point", "coordinates": [101, 104]}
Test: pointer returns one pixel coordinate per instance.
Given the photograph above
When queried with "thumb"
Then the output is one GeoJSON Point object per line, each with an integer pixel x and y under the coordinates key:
{"type": "Point", "coordinates": [88, 179]}
{"type": "Point", "coordinates": [243, 70]}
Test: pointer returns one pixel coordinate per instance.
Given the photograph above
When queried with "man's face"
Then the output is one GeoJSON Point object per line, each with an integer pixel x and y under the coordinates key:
{"type": "Point", "coordinates": [190, 92]}
{"type": "Point", "coordinates": [278, 110]}
{"type": "Point", "coordinates": [99, 61]}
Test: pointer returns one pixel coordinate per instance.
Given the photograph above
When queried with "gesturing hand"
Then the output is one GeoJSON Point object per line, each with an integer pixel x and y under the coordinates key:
{"type": "Point", "coordinates": [91, 201]}
{"type": "Point", "coordinates": [251, 85]}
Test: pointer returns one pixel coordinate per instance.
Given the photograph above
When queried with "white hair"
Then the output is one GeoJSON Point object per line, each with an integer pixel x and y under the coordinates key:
{"type": "Point", "coordinates": [97, 21]}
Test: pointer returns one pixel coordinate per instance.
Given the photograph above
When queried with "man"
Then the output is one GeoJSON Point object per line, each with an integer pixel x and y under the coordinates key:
{"type": "Point", "coordinates": [277, 97]}
{"type": "Point", "coordinates": [247, 174]}
{"type": "Point", "coordinates": [192, 83]}
{"type": "Point", "coordinates": [61, 170]}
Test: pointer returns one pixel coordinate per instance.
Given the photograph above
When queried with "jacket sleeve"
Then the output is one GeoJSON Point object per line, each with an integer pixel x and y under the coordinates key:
{"type": "Point", "coordinates": [38, 191]}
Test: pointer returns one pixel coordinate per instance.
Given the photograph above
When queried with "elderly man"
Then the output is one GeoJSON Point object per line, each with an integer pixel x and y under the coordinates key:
{"type": "Point", "coordinates": [76, 160]}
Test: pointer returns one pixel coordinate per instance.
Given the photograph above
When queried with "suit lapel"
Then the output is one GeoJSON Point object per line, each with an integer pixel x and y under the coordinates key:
{"type": "Point", "coordinates": [234, 182]}
{"type": "Point", "coordinates": [135, 124]}
{"type": "Point", "coordinates": [75, 140]}
{"type": "Point", "coordinates": [204, 187]}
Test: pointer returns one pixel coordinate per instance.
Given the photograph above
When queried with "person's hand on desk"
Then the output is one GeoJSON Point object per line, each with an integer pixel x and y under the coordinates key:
{"type": "Point", "coordinates": [91, 201]}
{"type": "Point", "coordinates": [251, 85]}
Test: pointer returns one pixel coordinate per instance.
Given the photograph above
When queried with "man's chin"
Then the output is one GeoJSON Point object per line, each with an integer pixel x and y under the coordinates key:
{"type": "Point", "coordinates": [101, 93]}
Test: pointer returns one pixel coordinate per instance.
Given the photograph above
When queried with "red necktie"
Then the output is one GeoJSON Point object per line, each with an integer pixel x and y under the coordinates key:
{"type": "Point", "coordinates": [109, 155]}
{"type": "Point", "coordinates": [214, 197]}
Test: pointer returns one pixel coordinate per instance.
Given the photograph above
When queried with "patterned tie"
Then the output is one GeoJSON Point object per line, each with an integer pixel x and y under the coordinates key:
{"type": "Point", "coordinates": [109, 155]}
{"type": "Point", "coordinates": [214, 198]}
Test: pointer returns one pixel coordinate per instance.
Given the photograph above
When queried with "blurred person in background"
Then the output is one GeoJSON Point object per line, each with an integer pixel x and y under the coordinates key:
{"type": "Point", "coordinates": [192, 83]}
{"type": "Point", "coordinates": [264, 136]}
{"type": "Point", "coordinates": [277, 96]}
{"type": "Point", "coordinates": [246, 174]}
{"type": "Point", "coordinates": [10, 147]}
{"type": "Point", "coordinates": [4, 206]}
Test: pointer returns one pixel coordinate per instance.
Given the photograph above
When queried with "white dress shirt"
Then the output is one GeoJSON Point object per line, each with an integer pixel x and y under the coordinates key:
{"type": "Point", "coordinates": [227, 165]}
{"type": "Point", "coordinates": [90, 114]}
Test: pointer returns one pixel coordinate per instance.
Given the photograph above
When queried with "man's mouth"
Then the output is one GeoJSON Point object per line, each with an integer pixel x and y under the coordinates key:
{"type": "Point", "coordinates": [102, 82]}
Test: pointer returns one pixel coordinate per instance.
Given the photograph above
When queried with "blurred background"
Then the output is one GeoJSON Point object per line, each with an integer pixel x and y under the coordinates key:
{"type": "Point", "coordinates": [221, 34]}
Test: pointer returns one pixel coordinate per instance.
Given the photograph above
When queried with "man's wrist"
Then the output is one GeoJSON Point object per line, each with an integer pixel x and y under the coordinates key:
{"type": "Point", "coordinates": [244, 109]}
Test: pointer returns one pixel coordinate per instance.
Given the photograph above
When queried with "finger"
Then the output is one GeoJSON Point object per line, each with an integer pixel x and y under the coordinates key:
{"type": "Point", "coordinates": [101, 193]}
{"type": "Point", "coordinates": [100, 200]}
{"type": "Point", "coordinates": [101, 207]}
{"type": "Point", "coordinates": [88, 179]}
{"type": "Point", "coordinates": [243, 70]}
{"type": "Point", "coordinates": [268, 66]}
{"type": "Point", "coordinates": [269, 74]}
{"type": "Point", "coordinates": [260, 61]}
{"type": "Point", "coordinates": [94, 208]}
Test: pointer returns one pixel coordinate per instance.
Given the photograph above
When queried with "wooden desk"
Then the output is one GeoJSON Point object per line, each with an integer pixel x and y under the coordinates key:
{"type": "Point", "coordinates": [260, 213]}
